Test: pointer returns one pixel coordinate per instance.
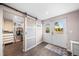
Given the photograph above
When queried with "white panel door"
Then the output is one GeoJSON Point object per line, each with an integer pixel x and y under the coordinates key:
{"type": "Point", "coordinates": [46, 36]}
{"type": "Point", "coordinates": [58, 36]}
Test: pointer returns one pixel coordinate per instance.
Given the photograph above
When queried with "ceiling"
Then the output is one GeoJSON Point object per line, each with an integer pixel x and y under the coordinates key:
{"type": "Point", "coordinates": [45, 10]}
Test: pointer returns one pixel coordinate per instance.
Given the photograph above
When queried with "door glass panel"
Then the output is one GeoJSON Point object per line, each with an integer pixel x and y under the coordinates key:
{"type": "Point", "coordinates": [47, 28]}
{"type": "Point", "coordinates": [59, 27]}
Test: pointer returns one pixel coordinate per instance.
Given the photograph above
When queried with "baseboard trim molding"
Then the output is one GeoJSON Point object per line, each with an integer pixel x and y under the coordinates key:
{"type": "Point", "coordinates": [69, 50]}
{"type": "Point", "coordinates": [55, 45]}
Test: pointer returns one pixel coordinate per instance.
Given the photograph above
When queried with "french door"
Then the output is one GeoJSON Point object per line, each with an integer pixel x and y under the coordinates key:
{"type": "Point", "coordinates": [59, 32]}
{"type": "Point", "coordinates": [55, 32]}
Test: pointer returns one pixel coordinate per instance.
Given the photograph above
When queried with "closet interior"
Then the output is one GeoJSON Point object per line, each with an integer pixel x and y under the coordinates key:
{"type": "Point", "coordinates": [13, 31]}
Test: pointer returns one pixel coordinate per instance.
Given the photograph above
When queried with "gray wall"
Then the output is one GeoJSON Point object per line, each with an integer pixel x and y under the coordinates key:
{"type": "Point", "coordinates": [72, 25]}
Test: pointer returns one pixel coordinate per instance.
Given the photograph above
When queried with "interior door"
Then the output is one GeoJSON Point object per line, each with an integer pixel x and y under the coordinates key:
{"type": "Point", "coordinates": [47, 32]}
{"type": "Point", "coordinates": [58, 34]}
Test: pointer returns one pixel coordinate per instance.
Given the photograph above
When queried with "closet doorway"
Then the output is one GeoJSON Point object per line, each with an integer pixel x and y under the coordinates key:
{"type": "Point", "coordinates": [13, 34]}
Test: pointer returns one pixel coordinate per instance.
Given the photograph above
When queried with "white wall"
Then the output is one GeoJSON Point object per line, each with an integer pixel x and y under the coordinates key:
{"type": "Point", "coordinates": [1, 33]}
{"type": "Point", "coordinates": [73, 27]}
{"type": "Point", "coordinates": [12, 11]}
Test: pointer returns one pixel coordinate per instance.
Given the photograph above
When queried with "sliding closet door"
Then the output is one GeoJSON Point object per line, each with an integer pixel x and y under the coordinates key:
{"type": "Point", "coordinates": [31, 32]}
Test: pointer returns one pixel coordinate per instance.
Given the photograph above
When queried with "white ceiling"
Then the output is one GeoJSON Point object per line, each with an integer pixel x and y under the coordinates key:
{"type": "Point", "coordinates": [45, 10]}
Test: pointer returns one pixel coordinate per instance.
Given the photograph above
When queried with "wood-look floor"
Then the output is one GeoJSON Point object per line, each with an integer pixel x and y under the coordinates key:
{"type": "Point", "coordinates": [15, 49]}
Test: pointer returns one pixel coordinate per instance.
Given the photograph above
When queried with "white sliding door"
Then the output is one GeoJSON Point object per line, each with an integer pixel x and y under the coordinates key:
{"type": "Point", "coordinates": [31, 32]}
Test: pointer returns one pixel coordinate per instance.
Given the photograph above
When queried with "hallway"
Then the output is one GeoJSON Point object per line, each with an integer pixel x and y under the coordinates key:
{"type": "Point", "coordinates": [50, 32]}
{"type": "Point", "coordinates": [15, 49]}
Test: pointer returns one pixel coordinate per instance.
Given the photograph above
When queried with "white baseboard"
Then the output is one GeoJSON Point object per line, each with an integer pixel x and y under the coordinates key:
{"type": "Point", "coordinates": [68, 50]}
{"type": "Point", "coordinates": [23, 50]}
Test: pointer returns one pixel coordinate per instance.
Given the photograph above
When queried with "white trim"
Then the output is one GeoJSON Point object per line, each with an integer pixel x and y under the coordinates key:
{"type": "Point", "coordinates": [69, 50]}
{"type": "Point", "coordinates": [1, 33]}
{"type": "Point", "coordinates": [73, 42]}
{"type": "Point", "coordinates": [23, 50]}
